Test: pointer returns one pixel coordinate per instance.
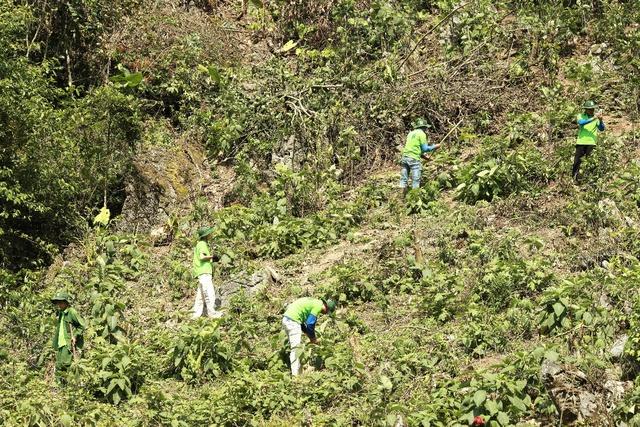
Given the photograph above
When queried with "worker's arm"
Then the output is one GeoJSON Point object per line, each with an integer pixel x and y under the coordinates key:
{"type": "Point", "coordinates": [205, 256]}
{"type": "Point", "coordinates": [77, 321]}
{"type": "Point", "coordinates": [78, 324]}
{"type": "Point", "coordinates": [426, 147]}
{"type": "Point", "coordinates": [600, 125]}
{"type": "Point", "coordinates": [582, 122]}
{"type": "Point", "coordinates": [310, 328]}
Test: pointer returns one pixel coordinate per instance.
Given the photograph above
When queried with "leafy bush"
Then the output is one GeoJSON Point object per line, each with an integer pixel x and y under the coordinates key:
{"type": "Point", "coordinates": [351, 282]}
{"type": "Point", "coordinates": [515, 172]}
{"type": "Point", "coordinates": [199, 352]}
{"type": "Point", "coordinates": [276, 233]}
{"type": "Point", "coordinates": [505, 280]}
{"type": "Point", "coordinates": [107, 316]}
{"type": "Point", "coordinates": [497, 397]}
{"type": "Point", "coordinates": [83, 152]}
{"type": "Point", "coordinates": [629, 183]}
{"type": "Point", "coordinates": [603, 162]}
{"type": "Point", "coordinates": [512, 392]}
{"type": "Point", "coordinates": [112, 372]}
{"type": "Point", "coordinates": [418, 201]}
{"type": "Point", "coordinates": [304, 191]}
{"type": "Point", "coordinates": [567, 304]}
{"type": "Point", "coordinates": [439, 292]}
{"type": "Point", "coordinates": [632, 347]}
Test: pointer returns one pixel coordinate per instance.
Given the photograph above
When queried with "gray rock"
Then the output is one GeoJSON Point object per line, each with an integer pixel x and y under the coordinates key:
{"type": "Point", "coordinates": [574, 396]}
{"type": "Point", "coordinates": [609, 208]}
{"type": "Point", "coordinates": [549, 369]}
{"type": "Point", "coordinates": [588, 404]}
{"type": "Point", "coordinates": [160, 235]}
{"type": "Point", "coordinates": [605, 302]}
{"type": "Point", "coordinates": [399, 422]}
{"type": "Point", "coordinates": [243, 282]}
{"type": "Point", "coordinates": [618, 347]}
{"type": "Point", "coordinates": [290, 153]}
{"type": "Point", "coordinates": [616, 390]}
{"type": "Point", "coordinates": [164, 180]}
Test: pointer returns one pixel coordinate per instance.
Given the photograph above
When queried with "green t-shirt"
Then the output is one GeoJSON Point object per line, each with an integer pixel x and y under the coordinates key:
{"type": "Point", "coordinates": [62, 336]}
{"type": "Point", "coordinates": [68, 320]}
{"type": "Point", "coordinates": [413, 147]}
{"type": "Point", "coordinates": [588, 134]}
{"type": "Point", "coordinates": [201, 267]}
{"type": "Point", "coordinates": [300, 309]}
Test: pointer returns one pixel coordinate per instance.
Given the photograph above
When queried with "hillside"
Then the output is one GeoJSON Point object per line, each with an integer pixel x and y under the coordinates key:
{"type": "Point", "coordinates": [501, 288]}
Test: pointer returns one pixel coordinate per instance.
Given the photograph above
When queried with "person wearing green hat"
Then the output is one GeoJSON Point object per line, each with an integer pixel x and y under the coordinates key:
{"type": "Point", "coordinates": [68, 337]}
{"type": "Point", "coordinates": [589, 124]}
{"type": "Point", "coordinates": [411, 162]}
{"type": "Point", "coordinates": [202, 270]}
{"type": "Point", "coordinates": [301, 316]}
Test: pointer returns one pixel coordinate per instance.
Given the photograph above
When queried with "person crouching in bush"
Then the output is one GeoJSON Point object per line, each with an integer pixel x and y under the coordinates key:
{"type": "Point", "coordinates": [301, 316]}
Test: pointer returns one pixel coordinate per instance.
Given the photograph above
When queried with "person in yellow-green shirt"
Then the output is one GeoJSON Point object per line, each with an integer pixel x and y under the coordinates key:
{"type": "Point", "coordinates": [202, 270]}
{"type": "Point", "coordinates": [415, 147]}
{"type": "Point", "coordinates": [589, 124]}
{"type": "Point", "coordinates": [302, 316]}
{"type": "Point", "coordinates": [68, 337]}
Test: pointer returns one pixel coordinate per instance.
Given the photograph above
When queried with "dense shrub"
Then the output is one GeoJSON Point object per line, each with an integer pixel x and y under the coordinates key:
{"type": "Point", "coordinates": [515, 172]}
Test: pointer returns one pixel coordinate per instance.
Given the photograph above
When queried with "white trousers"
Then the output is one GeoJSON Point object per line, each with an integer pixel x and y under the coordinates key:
{"type": "Point", "coordinates": [205, 297]}
{"type": "Point", "coordinates": [294, 332]}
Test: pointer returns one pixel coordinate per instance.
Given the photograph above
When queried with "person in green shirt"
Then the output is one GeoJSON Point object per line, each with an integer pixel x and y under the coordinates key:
{"type": "Point", "coordinates": [302, 316]}
{"type": "Point", "coordinates": [202, 270]}
{"type": "Point", "coordinates": [411, 162]}
{"type": "Point", "coordinates": [68, 337]}
{"type": "Point", "coordinates": [589, 124]}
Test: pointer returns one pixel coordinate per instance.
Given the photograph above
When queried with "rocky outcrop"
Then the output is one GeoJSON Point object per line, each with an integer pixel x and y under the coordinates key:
{"type": "Point", "coordinates": [577, 398]}
{"type": "Point", "coordinates": [164, 179]}
{"type": "Point", "coordinates": [250, 284]}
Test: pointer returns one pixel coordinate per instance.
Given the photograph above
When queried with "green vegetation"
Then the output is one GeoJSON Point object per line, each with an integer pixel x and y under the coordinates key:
{"type": "Point", "coordinates": [450, 301]}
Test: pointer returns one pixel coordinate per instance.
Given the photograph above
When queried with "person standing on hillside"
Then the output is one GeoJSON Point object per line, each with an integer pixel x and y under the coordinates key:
{"type": "Point", "coordinates": [589, 124]}
{"type": "Point", "coordinates": [301, 316]}
{"type": "Point", "coordinates": [68, 338]}
{"type": "Point", "coordinates": [203, 271]}
{"type": "Point", "coordinates": [415, 147]}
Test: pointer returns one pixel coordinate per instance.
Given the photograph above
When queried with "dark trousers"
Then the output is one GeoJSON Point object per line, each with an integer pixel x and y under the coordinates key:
{"type": "Point", "coordinates": [581, 151]}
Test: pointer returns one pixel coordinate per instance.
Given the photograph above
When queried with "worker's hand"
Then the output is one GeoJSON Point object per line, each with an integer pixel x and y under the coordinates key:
{"type": "Point", "coordinates": [436, 146]}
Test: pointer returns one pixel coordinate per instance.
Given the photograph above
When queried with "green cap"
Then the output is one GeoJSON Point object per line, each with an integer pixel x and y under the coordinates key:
{"type": "Point", "coordinates": [421, 123]}
{"type": "Point", "coordinates": [61, 296]}
{"type": "Point", "coordinates": [331, 305]}
{"type": "Point", "coordinates": [204, 232]}
{"type": "Point", "coordinates": [589, 105]}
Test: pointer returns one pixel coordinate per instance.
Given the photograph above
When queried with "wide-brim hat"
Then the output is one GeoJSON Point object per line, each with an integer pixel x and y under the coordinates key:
{"type": "Point", "coordinates": [331, 305]}
{"type": "Point", "coordinates": [588, 105]}
{"type": "Point", "coordinates": [421, 123]}
{"type": "Point", "coordinates": [61, 296]}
